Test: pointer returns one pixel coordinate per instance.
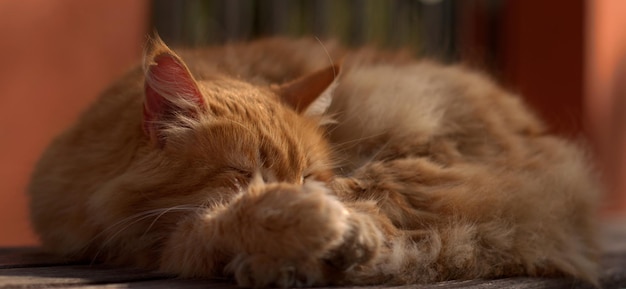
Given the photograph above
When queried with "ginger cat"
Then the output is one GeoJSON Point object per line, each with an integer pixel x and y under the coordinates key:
{"type": "Point", "coordinates": [265, 163]}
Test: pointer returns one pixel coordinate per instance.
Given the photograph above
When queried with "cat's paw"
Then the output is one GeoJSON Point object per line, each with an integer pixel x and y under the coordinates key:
{"type": "Point", "coordinates": [261, 270]}
{"type": "Point", "coordinates": [295, 236]}
{"type": "Point", "coordinates": [359, 245]}
{"type": "Point", "coordinates": [289, 221]}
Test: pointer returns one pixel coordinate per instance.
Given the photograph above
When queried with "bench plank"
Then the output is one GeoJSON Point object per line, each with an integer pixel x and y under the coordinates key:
{"type": "Point", "coordinates": [167, 284]}
{"type": "Point", "coordinates": [29, 257]}
{"type": "Point", "coordinates": [71, 275]}
{"type": "Point", "coordinates": [32, 268]}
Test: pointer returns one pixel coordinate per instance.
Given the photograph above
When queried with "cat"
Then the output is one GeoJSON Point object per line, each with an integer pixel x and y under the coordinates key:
{"type": "Point", "coordinates": [270, 163]}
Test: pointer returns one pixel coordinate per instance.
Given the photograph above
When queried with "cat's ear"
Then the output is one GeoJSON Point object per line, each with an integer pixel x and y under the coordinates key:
{"type": "Point", "coordinates": [310, 94]}
{"type": "Point", "coordinates": [170, 89]}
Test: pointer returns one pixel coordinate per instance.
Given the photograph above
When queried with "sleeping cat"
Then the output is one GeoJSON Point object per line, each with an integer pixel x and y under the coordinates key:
{"type": "Point", "coordinates": [268, 163]}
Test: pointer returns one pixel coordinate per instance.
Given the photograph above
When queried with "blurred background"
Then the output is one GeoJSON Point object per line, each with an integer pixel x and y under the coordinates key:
{"type": "Point", "coordinates": [567, 57]}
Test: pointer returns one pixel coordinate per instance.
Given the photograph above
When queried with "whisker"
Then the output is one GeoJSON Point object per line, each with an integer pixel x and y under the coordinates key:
{"type": "Point", "coordinates": [129, 221]}
{"type": "Point", "coordinates": [380, 150]}
{"type": "Point", "coordinates": [359, 139]}
{"type": "Point", "coordinates": [330, 58]}
{"type": "Point", "coordinates": [163, 213]}
{"type": "Point", "coordinates": [355, 92]}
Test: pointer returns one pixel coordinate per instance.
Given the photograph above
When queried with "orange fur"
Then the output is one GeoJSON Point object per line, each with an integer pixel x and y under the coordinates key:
{"type": "Point", "coordinates": [426, 172]}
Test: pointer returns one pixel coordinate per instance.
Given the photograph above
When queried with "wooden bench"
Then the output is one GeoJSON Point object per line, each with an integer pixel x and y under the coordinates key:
{"type": "Point", "coordinates": [31, 268]}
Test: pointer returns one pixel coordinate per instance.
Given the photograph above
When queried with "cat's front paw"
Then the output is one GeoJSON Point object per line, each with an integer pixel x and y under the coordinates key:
{"type": "Point", "coordinates": [295, 236]}
{"type": "Point", "coordinates": [359, 245]}
{"type": "Point", "coordinates": [258, 270]}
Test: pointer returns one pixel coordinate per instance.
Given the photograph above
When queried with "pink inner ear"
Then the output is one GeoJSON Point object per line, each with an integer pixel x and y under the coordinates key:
{"type": "Point", "coordinates": [155, 107]}
{"type": "Point", "coordinates": [168, 86]}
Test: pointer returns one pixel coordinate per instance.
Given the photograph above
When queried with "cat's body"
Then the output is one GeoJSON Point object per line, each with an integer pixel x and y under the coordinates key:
{"type": "Point", "coordinates": [424, 173]}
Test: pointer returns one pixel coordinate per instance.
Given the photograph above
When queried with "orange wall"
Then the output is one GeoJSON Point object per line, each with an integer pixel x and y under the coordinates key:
{"type": "Point", "coordinates": [55, 56]}
{"type": "Point", "coordinates": [606, 93]}
{"type": "Point", "coordinates": [543, 59]}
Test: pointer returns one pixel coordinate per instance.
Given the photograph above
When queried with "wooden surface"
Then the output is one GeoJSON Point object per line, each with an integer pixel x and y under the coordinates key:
{"type": "Point", "coordinates": [31, 268]}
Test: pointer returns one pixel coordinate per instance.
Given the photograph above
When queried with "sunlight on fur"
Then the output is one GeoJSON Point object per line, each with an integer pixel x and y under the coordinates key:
{"type": "Point", "coordinates": [266, 163]}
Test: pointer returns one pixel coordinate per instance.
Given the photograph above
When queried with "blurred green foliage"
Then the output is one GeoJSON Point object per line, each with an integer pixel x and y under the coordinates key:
{"type": "Point", "coordinates": [426, 27]}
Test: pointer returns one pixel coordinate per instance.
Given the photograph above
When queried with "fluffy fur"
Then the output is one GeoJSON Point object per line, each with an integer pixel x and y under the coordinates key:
{"type": "Point", "coordinates": [232, 161]}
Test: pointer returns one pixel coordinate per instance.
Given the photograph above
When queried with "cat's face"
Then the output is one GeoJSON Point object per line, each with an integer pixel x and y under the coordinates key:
{"type": "Point", "coordinates": [234, 130]}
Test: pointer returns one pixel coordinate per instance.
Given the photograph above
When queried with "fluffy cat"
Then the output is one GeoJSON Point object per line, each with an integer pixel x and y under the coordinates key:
{"type": "Point", "coordinates": [265, 163]}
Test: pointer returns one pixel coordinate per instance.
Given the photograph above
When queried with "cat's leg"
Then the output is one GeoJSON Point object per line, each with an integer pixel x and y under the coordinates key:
{"type": "Point", "coordinates": [275, 235]}
{"type": "Point", "coordinates": [291, 235]}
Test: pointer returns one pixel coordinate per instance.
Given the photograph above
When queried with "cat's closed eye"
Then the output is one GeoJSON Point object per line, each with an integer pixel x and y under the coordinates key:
{"type": "Point", "coordinates": [244, 173]}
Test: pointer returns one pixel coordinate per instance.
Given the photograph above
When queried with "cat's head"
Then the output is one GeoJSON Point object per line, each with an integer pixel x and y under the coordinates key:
{"type": "Point", "coordinates": [233, 129]}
